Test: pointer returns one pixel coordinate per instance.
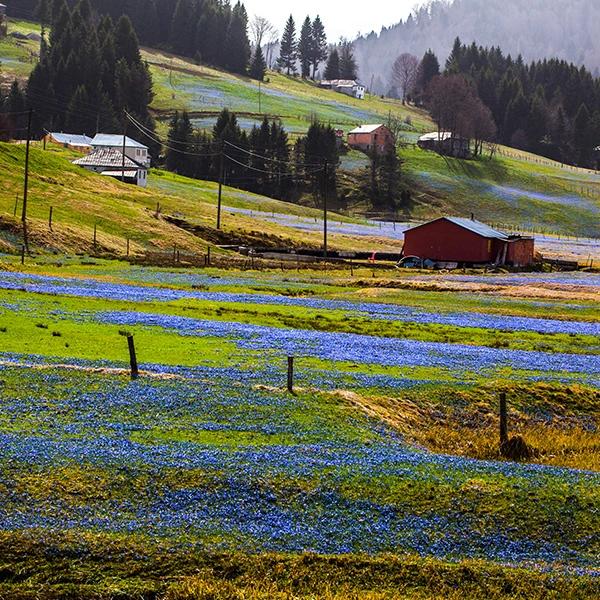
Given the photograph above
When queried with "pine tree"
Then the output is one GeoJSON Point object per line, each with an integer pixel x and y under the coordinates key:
{"type": "Point", "coordinates": [237, 48]}
{"type": "Point", "coordinates": [348, 67]}
{"type": "Point", "coordinates": [389, 178]}
{"type": "Point", "coordinates": [332, 70]}
{"type": "Point", "coordinates": [582, 135]}
{"type": "Point", "coordinates": [258, 67]}
{"type": "Point", "coordinates": [454, 61]}
{"type": "Point", "coordinates": [305, 48]}
{"type": "Point", "coordinates": [428, 69]}
{"type": "Point", "coordinates": [288, 53]}
{"type": "Point", "coordinates": [318, 50]}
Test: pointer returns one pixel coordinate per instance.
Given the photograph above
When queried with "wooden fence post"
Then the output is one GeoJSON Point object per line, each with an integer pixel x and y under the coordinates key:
{"type": "Point", "coordinates": [503, 419]}
{"type": "Point", "coordinates": [95, 234]}
{"type": "Point", "coordinates": [290, 375]}
{"type": "Point", "coordinates": [127, 246]}
{"type": "Point", "coordinates": [50, 219]}
{"type": "Point", "coordinates": [23, 254]}
{"type": "Point", "coordinates": [16, 205]}
{"type": "Point", "coordinates": [208, 256]}
{"type": "Point", "coordinates": [132, 357]}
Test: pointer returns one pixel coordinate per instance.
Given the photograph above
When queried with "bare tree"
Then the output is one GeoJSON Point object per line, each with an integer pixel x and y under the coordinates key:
{"type": "Point", "coordinates": [260, 28]}
{"type": "Point", "coordinates": [270, 45]}
{"type": "Point", "coordinates": [404, 73]}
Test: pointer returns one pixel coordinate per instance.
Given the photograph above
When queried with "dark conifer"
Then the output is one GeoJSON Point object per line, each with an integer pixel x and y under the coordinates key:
{"type": "Point", "coordinates": [288, 53]}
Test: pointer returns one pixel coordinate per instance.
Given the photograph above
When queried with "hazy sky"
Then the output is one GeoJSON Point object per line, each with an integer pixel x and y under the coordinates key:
{"type": "Point", "coordinates": [341, 17]}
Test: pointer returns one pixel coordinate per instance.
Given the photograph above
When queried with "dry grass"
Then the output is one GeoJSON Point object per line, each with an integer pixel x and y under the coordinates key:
{"type": "Point", "coordinates": [468, 423]}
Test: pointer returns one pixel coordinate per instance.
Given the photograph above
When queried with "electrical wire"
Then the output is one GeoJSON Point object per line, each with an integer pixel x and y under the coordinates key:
{"type": "Point", "coordinates": [284, 162]}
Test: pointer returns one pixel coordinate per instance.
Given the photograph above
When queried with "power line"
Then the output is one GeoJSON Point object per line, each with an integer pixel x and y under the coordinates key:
{"type": "Point", "coordinates": [267, 158]}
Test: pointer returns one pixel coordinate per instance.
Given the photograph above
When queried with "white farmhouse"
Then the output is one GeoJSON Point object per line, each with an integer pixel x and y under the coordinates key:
{"type": "Point", "coordinates": [111, 163]}
{"type": "Point", "coordinates": [133, 149]}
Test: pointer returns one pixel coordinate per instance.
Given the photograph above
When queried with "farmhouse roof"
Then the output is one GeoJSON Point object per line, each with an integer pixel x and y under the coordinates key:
{"type": "Point", "coordinates": [120, 173]}
{"type": "Point", "coordinates": [436, 136]}
{"type": "Point", "coordinates": [475, 226]}
{"type": "Point", "coordinates": [106, 158]}
{"type": "Point", "coordinates": [110, 139]}
{"type": "Point", "coordinates": [72, 139]}
{"type": "Point", "coordinates": [367, 128]}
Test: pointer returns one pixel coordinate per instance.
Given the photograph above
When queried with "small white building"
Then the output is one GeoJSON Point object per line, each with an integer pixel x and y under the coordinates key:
{"type": "Point", "coordinates": [111, 163]}
{"type": "Point", "coordinates": [133, 149]}
{"type": "Point", "coordinates": [345, 86]}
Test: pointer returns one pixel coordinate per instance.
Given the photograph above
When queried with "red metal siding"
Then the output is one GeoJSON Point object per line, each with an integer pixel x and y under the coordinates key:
{"type": "Point", "coordinates": [445, 241]}
{"type": "Point", "coordinates": [521, 253]}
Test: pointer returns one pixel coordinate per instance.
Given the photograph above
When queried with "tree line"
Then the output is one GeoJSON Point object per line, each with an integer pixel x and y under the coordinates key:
{"type": "Point", "coordinates": [89, 73]}
{"type": "Point", "coordinates": [261, 161]}
{"type": "Point", "coordinates": [549, 107]}
{"type": "Point", "coordinates": [211, 31]}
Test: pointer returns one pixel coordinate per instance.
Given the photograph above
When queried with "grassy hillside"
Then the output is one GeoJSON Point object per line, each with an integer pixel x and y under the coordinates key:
{"type": "Point", "coordinates": [514, 189]}
{"type": "Point", "coordinates": [181, 84]}
{"type": "Point", "coordinates": [82, 200]}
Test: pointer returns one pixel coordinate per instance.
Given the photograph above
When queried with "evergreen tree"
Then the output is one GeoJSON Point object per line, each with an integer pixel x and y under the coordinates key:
{"type": "Point", "coordinates": [389, 177]}
{"type": "Point", "coordinates": [332, 70]}
{"type": "Point", "coordinates": [454, 60]}
{"type": "Point", "coordinates": [288, 52]}
{"type": "Point", "coordinates": [318, 45]}
{"type": "Point", "coordinates": [582, 135]}
{"type": "Point", "coordinates": [348, 67]}
{"type": "Point", "coordinates": [428, 69]}
{"type": "Point", "coordinates": [258, 67]}
{"type": "Point", "coordinates": [305, 48]}
{"type": "Point", "coordinates": [237, 48]}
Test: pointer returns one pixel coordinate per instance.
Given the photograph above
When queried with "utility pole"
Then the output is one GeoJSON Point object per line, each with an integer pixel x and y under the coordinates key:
{"type": "Point", "coordinates": [124, 146]}
{"type": "Point", "coordinates": [325, 186]}
{"type": "Point", "coordinates": [26, 182]}
{"type": "Point", "coordinates": [259, 97]}
{"type": "Point", "coordinates": [221, 171]}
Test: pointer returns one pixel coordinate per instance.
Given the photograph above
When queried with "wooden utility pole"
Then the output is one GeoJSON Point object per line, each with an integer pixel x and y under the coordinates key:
{"type": "Point", "coordinates": [124, 148]}
{"type": "Point", "coordinates": [325, 187]}
{"type": "Point", "coordinates": [221, 171]}
{"type": "Point", "coordinates": [26, 182]}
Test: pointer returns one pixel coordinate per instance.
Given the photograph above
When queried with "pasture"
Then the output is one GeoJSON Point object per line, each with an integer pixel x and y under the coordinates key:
{"type": "Point", "coordinates": [383, 463]}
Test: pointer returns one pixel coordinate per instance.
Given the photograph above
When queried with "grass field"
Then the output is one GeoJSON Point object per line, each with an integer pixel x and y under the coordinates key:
{"type": "Point", "coordinates": [379, 478]}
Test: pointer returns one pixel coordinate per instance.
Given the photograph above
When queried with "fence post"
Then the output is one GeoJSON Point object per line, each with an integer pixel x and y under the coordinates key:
{"type": "Point", "coordinates": [95, 234]}
{"type": "Point", "coordinates": [503, 419]}
{"type": "Point", "coordinates": [290, 375]}
{"type": "Point", "coordinates": [127, 246]}
{"type": "Point", "coordinates": [23, 254]}
{"type": "Point", "coordinates": [132, 357]}
{"type": "Point", "coordinates": [16, 205]}
{"type": "Point", "coordinates": [50, 219]}
{"type": "Point", "coordinates": [208, 256]}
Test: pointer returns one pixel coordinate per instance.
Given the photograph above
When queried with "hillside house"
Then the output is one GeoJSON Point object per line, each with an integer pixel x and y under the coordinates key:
{"type": "Point", "coordinates": [111, 163]}
{"type": "Point", "coordinates": [371, 138]}
{"type": "Point", "coordinates": [133, 149]}
{"type": "Point", "coordinates": [72, 141]}
{"type": "Point", "coordinates": [345, 86]}
{"type": "Point", "coordinates": [468, 242]}
{"type": "Point", "coordinates": [446, 143]}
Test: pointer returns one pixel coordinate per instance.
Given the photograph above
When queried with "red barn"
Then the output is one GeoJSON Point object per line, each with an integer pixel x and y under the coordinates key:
{"type": "Point", "coordinates": [465, 241]}
{"type": "Point", "coordinates": [370, 138]}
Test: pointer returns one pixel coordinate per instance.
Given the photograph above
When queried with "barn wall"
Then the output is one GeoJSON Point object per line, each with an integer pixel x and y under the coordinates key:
{"type": "Point", "coordinates": [521, 252]}
{"type": "Point", "coordinates": [445, 241]}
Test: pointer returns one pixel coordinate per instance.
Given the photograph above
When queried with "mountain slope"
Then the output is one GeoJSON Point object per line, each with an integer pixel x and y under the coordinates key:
{"type": "Point", "coordinates": [537, 29]}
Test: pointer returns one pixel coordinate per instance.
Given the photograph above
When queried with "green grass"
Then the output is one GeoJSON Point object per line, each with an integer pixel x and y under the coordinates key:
{"type": "Point", "coordinates": [17, 57]}
{"type": "Point", "coordinates": [506, 191]}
